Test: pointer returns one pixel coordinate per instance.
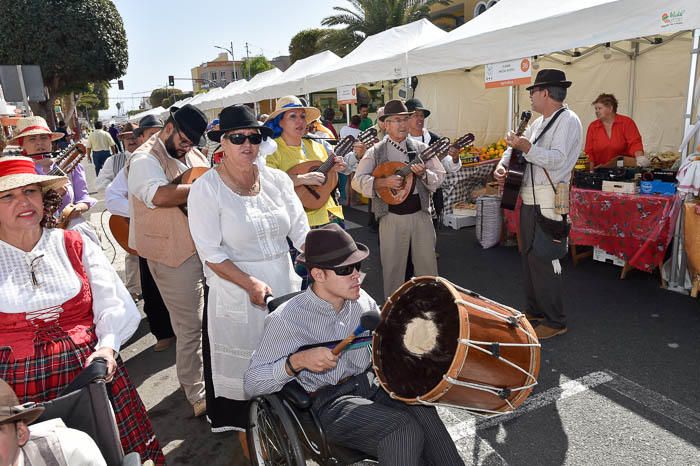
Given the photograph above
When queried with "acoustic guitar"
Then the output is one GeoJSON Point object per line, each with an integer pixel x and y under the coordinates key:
{"type": "Point", "coordinates": [516, 169]}
{"type": "Point", "coordinates": [119, 226]}
{"type": "Point", "coordinates": [395, 196]}
{"type": "Point", "coordinates": [315, 197]}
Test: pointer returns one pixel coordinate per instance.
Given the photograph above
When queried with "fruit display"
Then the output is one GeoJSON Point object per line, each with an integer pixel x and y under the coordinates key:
{"type": "Point", "coordinates": [474, 154]}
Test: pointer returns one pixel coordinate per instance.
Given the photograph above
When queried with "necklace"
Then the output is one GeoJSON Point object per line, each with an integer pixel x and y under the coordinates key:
{"type": "Point", "coordinates": [238, 188]}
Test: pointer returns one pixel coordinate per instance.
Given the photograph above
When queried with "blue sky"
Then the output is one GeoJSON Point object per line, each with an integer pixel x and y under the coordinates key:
{"type": "Point", "coordinates": [171, 37]}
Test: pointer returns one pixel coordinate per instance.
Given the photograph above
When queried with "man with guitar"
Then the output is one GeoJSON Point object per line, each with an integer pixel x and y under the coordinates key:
{"type": "Point", "coordinates": [408, 224]}
{"type": "Point", "coordinates": [117, 202]}
{"type": "Point", "coordinates": [550, 147]}
{"type": "Point", "coordinates": [159, 231]}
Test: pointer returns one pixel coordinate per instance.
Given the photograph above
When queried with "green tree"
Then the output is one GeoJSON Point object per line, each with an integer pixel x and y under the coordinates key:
{"type": "Point", "coordinates": [74, 41]}
{"type": "Point", "coordinates": [256, 64]}
{"type": "Point", "coordinates": [369, 17]}
{"type": "Point", "coordinates": [304, 44]}
{"type": "Point", "coordinates": [160, 94]}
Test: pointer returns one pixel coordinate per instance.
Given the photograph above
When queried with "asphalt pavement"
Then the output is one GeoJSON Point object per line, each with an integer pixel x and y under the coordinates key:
{"type": "Point", "coordinates": [621, 387]}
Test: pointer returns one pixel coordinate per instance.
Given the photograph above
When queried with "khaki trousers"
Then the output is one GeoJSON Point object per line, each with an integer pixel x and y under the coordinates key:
{"type": "Point", "coordinates": [132, 277]}
{"type": "Point", "coordinates": [182, 289]}
{"type": "Point", "coordinates": [396, 234]}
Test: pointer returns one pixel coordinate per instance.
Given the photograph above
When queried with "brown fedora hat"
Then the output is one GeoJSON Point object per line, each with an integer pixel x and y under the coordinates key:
{"type": "Point", "coordinates": [12, 411]}
{"type": "Point", "coordinates": [329, 247]}
{"type": "Point", "coordinates": [395, 107]}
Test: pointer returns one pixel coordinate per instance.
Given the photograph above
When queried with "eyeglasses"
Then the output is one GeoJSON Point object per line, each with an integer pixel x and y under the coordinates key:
{"type": "Point", "coordinates": [397, 120]}
{"type": "Point", "coordinates": [535, 89]}
{"type": "Point", "coordinates": [348, 269]}
{"type": "Point", "coordinates": [184, 142]}
{"type": "Point", "coordinates": [238, 139]}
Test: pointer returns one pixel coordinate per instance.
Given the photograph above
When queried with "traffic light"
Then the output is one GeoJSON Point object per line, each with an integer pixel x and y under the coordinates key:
{"type": "Point", "coordinates": [171, 81]}
{"type": "Point", "coordinates": [120, 84]}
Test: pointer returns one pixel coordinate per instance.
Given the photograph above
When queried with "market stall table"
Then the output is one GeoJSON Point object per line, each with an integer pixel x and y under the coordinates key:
{"type": "Point", "coordinates": [458, 186]}
{"type": "Point", "coordinates": [636, 228]}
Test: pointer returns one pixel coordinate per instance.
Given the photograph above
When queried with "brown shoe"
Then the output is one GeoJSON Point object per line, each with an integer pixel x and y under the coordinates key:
{"type": "Point", "coordinates": [200, 407]}
{"type": "Point", "coordinates": [162, 345]}
{"type": "Point", "coordinates": [544, 332]}
{"type": "Point", "coordinates": [533, 318]}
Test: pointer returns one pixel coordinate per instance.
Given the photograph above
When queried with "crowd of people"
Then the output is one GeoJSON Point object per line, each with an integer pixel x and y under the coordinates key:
{"type": "Point", "coordinates": [205, 268]}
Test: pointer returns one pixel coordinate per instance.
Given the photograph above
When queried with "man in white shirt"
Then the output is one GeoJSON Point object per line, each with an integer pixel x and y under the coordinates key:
{"type": "Point", "coordinates": [46, 443]}
{"type": "Point", "coordinates": [551, 156]}
{"type": "Point", "coordinates": [117, 202]}
{"type": "Point", "coordinates": [159, 231]}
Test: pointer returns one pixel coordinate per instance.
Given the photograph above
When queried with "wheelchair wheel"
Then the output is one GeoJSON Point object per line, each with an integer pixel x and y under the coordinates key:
{"type": "Point", "coordinates": [272, 439]}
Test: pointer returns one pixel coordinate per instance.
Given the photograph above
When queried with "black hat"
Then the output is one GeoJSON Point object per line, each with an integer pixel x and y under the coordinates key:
{"type": "Point", "coordinates": [330, 246]}
{"type": "Point", "coordinates": [149, 121]}
{"type": "Point", "coordinates": [550, 77]}
{"type": "Point", "coordinates": [191, 121]}
{"type": "Point", "coordinates": [414, 104]}
{"type": "Point", "coordinates": [394, 107]}
{"type": "Point", "coordinates": [237, 117]}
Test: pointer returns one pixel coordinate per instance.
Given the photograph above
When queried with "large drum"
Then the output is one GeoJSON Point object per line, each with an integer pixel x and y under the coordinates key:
{"type": "Point", "coordinates": [439, 343]}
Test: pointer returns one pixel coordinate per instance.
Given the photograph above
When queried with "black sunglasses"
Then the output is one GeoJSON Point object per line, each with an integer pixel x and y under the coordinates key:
{"type": "Point", "coordinates": [239, 139]}
{"type": "Point", "coordinates": [348, 269]}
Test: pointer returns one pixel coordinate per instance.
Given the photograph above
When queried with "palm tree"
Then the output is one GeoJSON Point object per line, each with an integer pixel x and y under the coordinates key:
{"type": "Point", "coordinates": [369, 17]}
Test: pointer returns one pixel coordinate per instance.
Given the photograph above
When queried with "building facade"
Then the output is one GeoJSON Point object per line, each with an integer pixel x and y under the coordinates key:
{"type": "Point", "coordinates": [216, 73]}
{"type": "Point", "coordinates": [458, 12]}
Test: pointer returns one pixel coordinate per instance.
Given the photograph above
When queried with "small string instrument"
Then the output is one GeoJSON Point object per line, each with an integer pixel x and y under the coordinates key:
{"type": "Point", "coordinates": [395, 196]}
{"type": "Point", "coordinates": [315, 197]}
{"type": "Point", "coordinates": [516, 169]}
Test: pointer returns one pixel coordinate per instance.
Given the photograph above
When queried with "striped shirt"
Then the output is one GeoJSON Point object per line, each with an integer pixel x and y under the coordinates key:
{"type": "Point", "coordinates": [307, 319]}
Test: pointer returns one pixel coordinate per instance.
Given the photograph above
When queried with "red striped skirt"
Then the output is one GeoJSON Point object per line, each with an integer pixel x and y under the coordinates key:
{"type": "Point", "coordinates": [54, 364]}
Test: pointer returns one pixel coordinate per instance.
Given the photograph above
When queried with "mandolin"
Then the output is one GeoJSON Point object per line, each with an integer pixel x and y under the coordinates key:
{"type": "Point", "coordinates": [516, 169]}
{"type": "Point", "coordinates": [315, 197]}
{"type": "Point", "coordinates": [395, 196]}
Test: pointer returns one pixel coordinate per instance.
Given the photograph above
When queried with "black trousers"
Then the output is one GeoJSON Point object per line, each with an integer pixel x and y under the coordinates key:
{"type": "Point", "coordinates": [360, 415]}
{"type": "Point", "coordinates": [543, 287]}
{"type": "Point", "coordinates": [153, 305]}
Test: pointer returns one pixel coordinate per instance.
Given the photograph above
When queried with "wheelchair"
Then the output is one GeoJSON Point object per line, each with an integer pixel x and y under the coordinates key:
{"type": "Point", "coordinates": [284, 430]}
{"type": "Point", "coordinates": [85, 405]}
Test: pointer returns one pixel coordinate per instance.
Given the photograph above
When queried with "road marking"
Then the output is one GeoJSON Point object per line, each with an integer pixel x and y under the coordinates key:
{"type": "Point", "coordinates": [655, 401]}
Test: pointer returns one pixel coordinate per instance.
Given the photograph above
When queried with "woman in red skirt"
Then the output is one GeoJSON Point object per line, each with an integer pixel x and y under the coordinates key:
{"type": "Point", "coordinates": [61, 304]}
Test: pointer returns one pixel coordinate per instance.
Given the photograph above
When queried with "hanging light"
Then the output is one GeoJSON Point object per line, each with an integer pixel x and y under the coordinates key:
{"type": "Point", "coordinates": [535, 63]}
{"type": "Point", "coordinates": [607, 53]}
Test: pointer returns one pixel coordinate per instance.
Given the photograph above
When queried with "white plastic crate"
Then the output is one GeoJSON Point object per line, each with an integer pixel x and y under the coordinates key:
{"type": "Point", "coordinates": [459, 221]}
{"type": "Point", "coordinates": [601, 255]}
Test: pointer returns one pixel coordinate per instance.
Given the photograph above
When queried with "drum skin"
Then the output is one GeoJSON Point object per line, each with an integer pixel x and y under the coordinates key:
{"type": "Point", "coordinates": [399, 371]}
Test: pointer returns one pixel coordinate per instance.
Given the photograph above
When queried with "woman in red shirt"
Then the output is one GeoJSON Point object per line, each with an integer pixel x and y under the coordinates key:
{"type": "Point", "coordinates": [612, 135]}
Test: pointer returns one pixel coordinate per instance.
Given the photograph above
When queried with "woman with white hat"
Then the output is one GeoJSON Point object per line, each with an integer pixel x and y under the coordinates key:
{"type": "Point", "coordinates": [35, 138]}
{"type": "Point", "coordinates": [61, 304]}
{"type": "Point", "coordinates": [288, 123]}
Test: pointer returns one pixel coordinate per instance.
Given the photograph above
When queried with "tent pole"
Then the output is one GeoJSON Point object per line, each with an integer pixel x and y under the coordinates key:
{"type": "Point", "coordinates": [633, 79]}
{"type": "Point", "coordinates": [347, 113]}
{"type": "Point", "coordinates": [676, 281]}
{"type": "Point", "coordinates": [510, 108]}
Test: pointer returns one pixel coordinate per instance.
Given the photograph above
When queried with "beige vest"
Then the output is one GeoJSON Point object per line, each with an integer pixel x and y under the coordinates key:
{"type": "Point", "coordinates": [163, 234]}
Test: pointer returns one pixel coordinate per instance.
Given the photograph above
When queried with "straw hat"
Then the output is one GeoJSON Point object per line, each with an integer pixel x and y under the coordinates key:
{"type": "Point", "coordinates": [12, 411]}
{"type": "Point", "coordinates": [33, 125]}
{"type": "Point", "coordinates": [16, 172]}
{"type": "Point", "coordinates": [291, 102]}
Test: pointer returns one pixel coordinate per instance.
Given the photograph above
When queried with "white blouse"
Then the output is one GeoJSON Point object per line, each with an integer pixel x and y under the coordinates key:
{"type": "Point", "coordinates": [225, 225]}
{"type": "Point", "coordinates": [115, 314]}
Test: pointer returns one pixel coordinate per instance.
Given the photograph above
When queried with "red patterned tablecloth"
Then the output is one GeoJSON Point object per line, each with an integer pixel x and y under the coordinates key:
{"type": "Point", "coordinates": [636, 228]}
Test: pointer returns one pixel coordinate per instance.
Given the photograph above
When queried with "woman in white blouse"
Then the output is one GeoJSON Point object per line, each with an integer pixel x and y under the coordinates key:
{"type": "Point", "coordinates": [240, 214]}
{"type": "Point", "coordinates": [61, 304]}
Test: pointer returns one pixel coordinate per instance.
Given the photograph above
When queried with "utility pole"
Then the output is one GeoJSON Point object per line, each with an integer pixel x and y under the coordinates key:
{"type": "Point", "coordinates": [233, 60]}
{"type": "Point", "coordinates": [247, 56]}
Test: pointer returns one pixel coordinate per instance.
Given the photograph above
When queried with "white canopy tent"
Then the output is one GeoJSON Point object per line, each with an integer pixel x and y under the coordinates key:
{"type": "Point", "coordinates": [379, 57]}
{"type": "Point", "coordinates": [154, 111]}
{"type": "Point", "coordinates": [514, 29]}
{"type": "Point", "coordinates": [293, 81]}
{"type": "Point", "coordinates": [241, 96]}
{"type": "Point", "coordinates": [208, 99]}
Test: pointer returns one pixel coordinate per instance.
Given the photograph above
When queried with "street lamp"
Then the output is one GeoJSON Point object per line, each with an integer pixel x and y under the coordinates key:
{"type": "Point", "coordinates": [232, 58]}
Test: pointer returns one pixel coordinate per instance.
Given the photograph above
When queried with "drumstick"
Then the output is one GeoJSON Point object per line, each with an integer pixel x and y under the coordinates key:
{"type": "Point", "coordinates": [368, 321]}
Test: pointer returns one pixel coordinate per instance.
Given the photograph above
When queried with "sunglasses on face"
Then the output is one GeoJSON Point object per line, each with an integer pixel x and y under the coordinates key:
{"type": "Point", "coordinates": [348, 269]}
{"type": "Point", "coordinates": [533, 90]}
{"type": "Point", "coordinates": [238, 139]}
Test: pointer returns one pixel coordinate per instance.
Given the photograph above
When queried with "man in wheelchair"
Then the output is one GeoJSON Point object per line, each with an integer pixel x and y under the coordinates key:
{"type": "Point", "coordinates": [353, 409]}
